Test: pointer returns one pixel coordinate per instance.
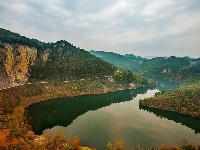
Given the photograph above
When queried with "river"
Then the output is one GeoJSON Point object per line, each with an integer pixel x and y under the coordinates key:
{"type": "Point", "coordinates": [98, 119]}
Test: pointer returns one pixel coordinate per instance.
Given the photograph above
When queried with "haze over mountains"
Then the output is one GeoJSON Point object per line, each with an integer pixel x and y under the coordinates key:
{"type": "Point", "coordinates": [124, 62]}
{"type": "Point", "coordinates": [23, 59]}
{"type": "Point", "coordinates": [184, 71]}
{"type": "Point", "coordinates": [172, 68]}
{"type": "Point", "coordinates": [145, 27]}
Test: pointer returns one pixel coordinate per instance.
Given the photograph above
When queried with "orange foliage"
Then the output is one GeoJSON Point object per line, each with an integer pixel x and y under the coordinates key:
{"type": "Point", "coordinates": [73, 143]}
{"type": "Point", "coordinates": [2, 139]}
{"type": "Point", "coordinates": [117, 145]}
{"type": "Point", "coordinates": [6, 131]}
{"type": "Point", "coordinates": [14, 141]}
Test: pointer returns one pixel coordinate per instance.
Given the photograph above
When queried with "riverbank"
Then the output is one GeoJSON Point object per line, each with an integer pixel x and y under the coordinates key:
{"type": "Point", "coordinates": [14, 100]}
{"type": "Point", "coordinates": [79, 87]}
{"type": "Point", "coordinates": [185, 101]}
{"type": "Point", "coordinates": [35, 92]}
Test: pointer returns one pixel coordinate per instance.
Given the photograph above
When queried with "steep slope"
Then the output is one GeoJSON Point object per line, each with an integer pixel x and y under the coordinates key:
{"type": "Point", "coordinates": [184, 100]}
{"type": "Point", "coordinates": [55, 69]}
{"type": "Point", "coordinates": [23, 59]}
{"type": "Point", "coordinates": [15, 63]}
{"type": "Point", "coordinates": [192, 60]}
{"type": "Point", "coordinates": [191, 75]}
{"type": "Point", "coordinates": [124, 62]}
{"type": "Point", "coordinates": [174, 69]}
{"type": "Point", "coordinates": [182, 70]}
{"type": "Point", "coordinates": [63, 61]}
{"type": "Point", "coordinates": [168, 68]}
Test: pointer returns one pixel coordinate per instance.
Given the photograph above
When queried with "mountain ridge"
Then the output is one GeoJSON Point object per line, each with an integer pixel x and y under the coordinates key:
{"type": "Point", "coordinates": [123, 62]}
{"type": "Point", "coordinates": [28, 60]}
{"type": "Point", "coordinates": [174, 69]}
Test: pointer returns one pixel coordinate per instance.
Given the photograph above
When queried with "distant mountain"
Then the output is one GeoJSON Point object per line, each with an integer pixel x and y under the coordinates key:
{"type": "Point", "coordinates": [185, 71]}
{"type": "Point", "coordinates": [150, 57]}
{"type": "Point", "coordinates": [172, 68]}
{"type": "Point", "coordinates": [135, 58]}
{"type": "Point", "coordinates": [26, 60]}
{"type": "Point", "coordinates": [124, 62]}
{"type": "Point", "coordinates": [191, 75]}
{"type": "Point", "coordinates": [192, 60]}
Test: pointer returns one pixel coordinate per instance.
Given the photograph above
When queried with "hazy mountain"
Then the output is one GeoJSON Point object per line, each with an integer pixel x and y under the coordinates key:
{"type": "Point", "coordinates": [175, 69]}
{"type": "Point", "coordinates": [124, 62]}
{"type": "Point", "coordinates": [194, 60]}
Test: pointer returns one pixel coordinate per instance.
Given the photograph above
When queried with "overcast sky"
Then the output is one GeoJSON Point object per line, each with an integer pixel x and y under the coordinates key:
{"type": "Point", "coordinates": [140, 27]}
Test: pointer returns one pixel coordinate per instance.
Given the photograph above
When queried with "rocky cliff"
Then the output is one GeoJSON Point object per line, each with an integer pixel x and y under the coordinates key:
{"type": "Point", "coordinates": [15, 64]}
{"type": "Point", "coordinates": [25, 60]}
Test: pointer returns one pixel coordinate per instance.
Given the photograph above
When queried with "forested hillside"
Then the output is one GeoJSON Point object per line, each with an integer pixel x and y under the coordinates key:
{"type": "Point", "coordinates": [193, 60]}
{"type": "Point", "coordinates": [191, 75]}
{"type": "Point", "coordinates": [64, 62]}
{"type": "Point", "coordinates": [123, 62]}
{"type": "Point", "coordinates": [23, 59]}
{"type": "Point", "coordinates": [7, 36]}
{"type": "Point", "coordinates": [175, 69]}
{"type": "Point", "coordinates": [182, 70]}
{"type": "Point", "coordinates": [33, 71]}
{"type": "Point", "coordinates": [168, 68]}
{"type": "Point", "coordinates": [184, 100]}
{"type": "Point", "coordinates": [51, 70]}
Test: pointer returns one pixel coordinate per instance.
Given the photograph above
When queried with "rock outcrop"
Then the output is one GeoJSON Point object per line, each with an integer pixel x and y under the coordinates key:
{"type": "Point", "coordinates": [29, 60]}
{"type": "Point", "coordinates": [15, 64]}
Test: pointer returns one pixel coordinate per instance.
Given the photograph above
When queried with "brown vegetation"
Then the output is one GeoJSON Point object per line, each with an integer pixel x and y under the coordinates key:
{"type": "Point", "coordinates": [15, 99]}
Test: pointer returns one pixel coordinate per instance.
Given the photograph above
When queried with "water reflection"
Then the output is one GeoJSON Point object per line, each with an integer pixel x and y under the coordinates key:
{"type": "Point", "coordinates": [120, 120]}
{"type": "Point", "coordinates": [190, 122]}
{"type": "Point", "coordinates": [63, 111]}
{"type": "Point", "coordinates": [164, 85]}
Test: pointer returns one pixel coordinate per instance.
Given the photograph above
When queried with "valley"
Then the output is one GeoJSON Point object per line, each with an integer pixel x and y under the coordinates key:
{"type": "Point", "coordinates": [59, 86]}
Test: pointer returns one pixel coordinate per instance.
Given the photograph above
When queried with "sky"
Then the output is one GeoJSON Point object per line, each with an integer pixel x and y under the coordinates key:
{"type": "Point", "coordinates": [139, 27]}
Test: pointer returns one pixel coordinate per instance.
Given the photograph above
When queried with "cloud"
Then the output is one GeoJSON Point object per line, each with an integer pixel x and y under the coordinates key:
{"type": "Point", "coordinates": [183, 23]}
{"type": "Point", "coordinates": [145, 27]}
{"type": "Point", "coordinates": [154, 6]}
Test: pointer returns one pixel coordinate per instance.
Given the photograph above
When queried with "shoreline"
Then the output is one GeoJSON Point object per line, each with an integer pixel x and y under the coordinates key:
{"type": "Point", "coordinates": [47, 97]}
{"type": "Point", "coordinates": [15, 100]}
{"type": "Point", "coordinates": [151, 107]}
{"type": "Point", "coordinates": [184, 101]}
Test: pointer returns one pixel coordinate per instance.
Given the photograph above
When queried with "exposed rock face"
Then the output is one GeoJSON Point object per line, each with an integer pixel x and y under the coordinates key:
{"type": "Point", "coordinates": [15, 64]}
{"type": "Point", "coordinates": [45, 56]}
{"type": "Point", "coordinates": [30, 60]}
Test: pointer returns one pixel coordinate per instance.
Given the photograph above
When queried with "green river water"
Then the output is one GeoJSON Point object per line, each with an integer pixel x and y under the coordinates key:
{"type": "Point", "coordinates": [98, 119]}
